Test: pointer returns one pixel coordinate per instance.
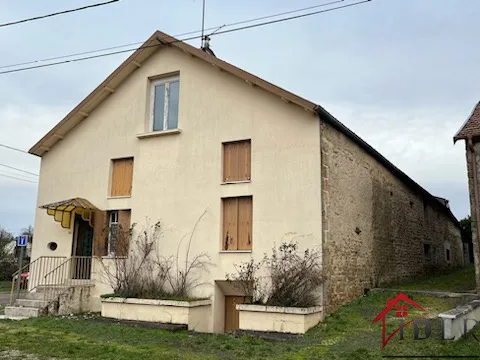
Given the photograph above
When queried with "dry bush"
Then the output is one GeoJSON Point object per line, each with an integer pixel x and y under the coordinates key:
{"type": "Point", "coordinates": [291, 279]}
{"type": "Point", "coordinates": [145, 273]}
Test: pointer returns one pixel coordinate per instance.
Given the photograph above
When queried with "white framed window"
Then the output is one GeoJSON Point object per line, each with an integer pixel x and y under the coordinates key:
{"type": "Point", "coordinates": [164, 104]}
{"type": "Point", "coordinates": [112, 232]}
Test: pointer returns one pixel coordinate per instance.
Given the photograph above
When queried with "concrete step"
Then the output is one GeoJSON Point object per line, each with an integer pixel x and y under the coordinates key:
{"type": "Point", "coordinates": [31, 303]}
{"type": "Point", "coordinates": [41, 289]}
{"type": "Point", "coordinates": [33, 296]}
{"type": "Point", "coordinates": [20, 311]}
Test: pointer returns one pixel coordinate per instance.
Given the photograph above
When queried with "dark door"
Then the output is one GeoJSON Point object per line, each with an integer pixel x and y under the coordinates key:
{"type": "Point", "coordinates": [83, 247]}
{"type": "Point", "coordinates": [231, 312]}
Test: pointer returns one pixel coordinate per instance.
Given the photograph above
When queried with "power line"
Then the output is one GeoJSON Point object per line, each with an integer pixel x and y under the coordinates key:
{"type": "Point", "coordinates": [176, 35]}
{"type": "Point", "coordinates": [182, 40]}
{"type": "Point", "coordinates": [57, 13]}
{"type": "Point", "coordinates": [17, 169]}
{"type": "Point", "coordinates": [14, 148]}
{"type": "Point", "coordinates": [19, 179]}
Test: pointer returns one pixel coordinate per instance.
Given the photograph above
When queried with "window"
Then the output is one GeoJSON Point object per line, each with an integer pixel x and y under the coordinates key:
{"type": "Point", "coordinates": [118, 239]}
{"type": "Point", "coordinates": [165, 97]}
{"type": "Point", "coordinates": [427, 251]}
{"type": "Point", "coordinates": [112, 231]}
{"type": "Point", "coordinates": [448, 252]}
{"type": "Point", "coordinates": [237, 161]}
{"type": "Point", "coordinates": [122, 174]}
{"type": "Point", "coordinates": [237, 223]}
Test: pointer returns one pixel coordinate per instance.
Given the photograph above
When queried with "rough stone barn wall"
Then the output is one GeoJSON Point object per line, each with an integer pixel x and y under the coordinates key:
{"type": "Point", "coordinates": [375, 226]}
{"type": "Point", "coordinates": [473, 207]}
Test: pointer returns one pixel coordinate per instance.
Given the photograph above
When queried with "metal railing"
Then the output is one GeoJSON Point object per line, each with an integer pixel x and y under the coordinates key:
{"type": "Point", "coordinates": [76, 270]}
{"type": "Point", "coordinates": [32, 275]}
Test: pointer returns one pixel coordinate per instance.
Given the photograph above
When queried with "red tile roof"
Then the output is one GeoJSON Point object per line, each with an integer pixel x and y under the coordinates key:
{"type": "Point", "coordinates": [471, 127]}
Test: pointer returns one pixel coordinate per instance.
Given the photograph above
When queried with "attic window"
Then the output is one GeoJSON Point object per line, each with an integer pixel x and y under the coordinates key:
{"type": "Point", "coordinates": [164, 104]}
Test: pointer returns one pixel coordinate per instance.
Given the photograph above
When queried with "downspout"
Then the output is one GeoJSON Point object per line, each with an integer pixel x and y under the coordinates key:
{"type": "Point", "coordinates": [473, 164]}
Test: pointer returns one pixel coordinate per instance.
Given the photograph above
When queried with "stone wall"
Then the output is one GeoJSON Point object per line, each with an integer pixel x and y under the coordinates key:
{"type": "Point", "coordinates": [376, 229]}
{"type": "Point", "coordinates": [473, 208]}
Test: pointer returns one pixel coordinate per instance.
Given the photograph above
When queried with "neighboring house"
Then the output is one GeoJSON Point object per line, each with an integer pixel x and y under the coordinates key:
{"type": "Point", "coordinates": [470, 132]}
{"type": "Point", "coordinates": [175, 132]}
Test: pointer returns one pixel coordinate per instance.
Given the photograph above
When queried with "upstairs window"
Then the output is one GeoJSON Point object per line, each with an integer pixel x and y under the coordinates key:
{"type": "Point", "coordinates": [122, 174]}
{"type": "Point", "coordinates": [165, 97]}
{"type": "Point", "coordinates": [237, 161]}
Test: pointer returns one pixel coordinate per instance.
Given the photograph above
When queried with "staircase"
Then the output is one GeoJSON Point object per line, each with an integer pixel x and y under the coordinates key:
{"type": "Point", "coordinates": [40, 293]}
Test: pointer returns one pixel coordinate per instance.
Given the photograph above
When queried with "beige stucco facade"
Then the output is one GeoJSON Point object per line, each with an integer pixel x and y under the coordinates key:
{"type": "Point", "coordinates": [178, 176]}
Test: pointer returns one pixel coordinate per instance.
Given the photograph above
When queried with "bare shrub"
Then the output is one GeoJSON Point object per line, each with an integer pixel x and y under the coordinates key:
{"type": "Point", "coordinates": [183, 278]}
{"type": "Point", "coordinates": [291, 279]}
{"type": "Point", "coordinates": [144, 273]}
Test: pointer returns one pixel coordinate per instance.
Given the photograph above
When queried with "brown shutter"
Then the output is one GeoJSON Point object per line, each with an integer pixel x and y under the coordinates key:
{"type": "Point", "coordinates": [245, 223]}
{"type": "Point", "coordinates": [100, 233]}
{"type": "Point", "coordinates": [227, 162]}
{"type": "Point", "coordinates": [236, 161]}
{"type": "Point", "coordinates": [230, 224]}
{"type": "Point", "coordinates": [123, 237]}
{"type": "Point", "coordinates": [122, 174]}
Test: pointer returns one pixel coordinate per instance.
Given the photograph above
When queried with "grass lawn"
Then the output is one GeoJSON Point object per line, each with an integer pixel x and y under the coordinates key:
{"type": "Point", "coordinates": [5, 286]}
{"type": "Point", "coordinates": [462, 280]}
{"type": "Point", "coordinates": [347, 334]}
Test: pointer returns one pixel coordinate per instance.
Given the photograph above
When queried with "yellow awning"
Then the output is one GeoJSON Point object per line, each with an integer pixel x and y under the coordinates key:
{"type": "Point", "coordinates": [63, 211]}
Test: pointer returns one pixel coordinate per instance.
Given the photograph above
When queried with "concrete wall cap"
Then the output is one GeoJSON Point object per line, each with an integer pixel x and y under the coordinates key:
{"type": "Point", "coordinates": [279, 309]}
{"type": "Point", "coordinates": [156, 302]}
{"type": "Point", "coordinates": [460, 310]}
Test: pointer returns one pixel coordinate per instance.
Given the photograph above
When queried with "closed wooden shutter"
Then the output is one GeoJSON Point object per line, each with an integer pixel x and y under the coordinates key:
{"type": "Point", "coordinates": [237, 161]}
{"type": "Point", "coordinates": [123, 237]}
{"type": "Point", "coordinates": [122, 174]}
{"type": "Point", "coordinates": [100, 233]}
{"type": "Point", "coordinates": [230, 224]}
{"type": "Point", "coordinates": [245, 223]}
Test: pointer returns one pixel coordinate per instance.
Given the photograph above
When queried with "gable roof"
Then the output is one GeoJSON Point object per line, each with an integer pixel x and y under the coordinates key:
{"type": "Point", "coordinates": [471, 127]}
{"type": "Point", "coordinates": [159, 39]}
{"type": "Point", "coordinates": [132, 63]}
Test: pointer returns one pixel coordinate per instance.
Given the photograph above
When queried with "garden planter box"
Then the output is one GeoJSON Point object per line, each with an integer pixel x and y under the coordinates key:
{"type": "Point", "coordinates": [278, 319]}
{"type": "Point", "coordinates": [195, 314]}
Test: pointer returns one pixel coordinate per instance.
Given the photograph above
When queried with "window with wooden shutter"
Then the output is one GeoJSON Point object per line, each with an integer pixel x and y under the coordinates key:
{"type": "Point", "coordinates": [237, 223]}
{"type": "Point", "coordinates": [122, 174]}
{"type": "Point", "coordinates": [237, 161]}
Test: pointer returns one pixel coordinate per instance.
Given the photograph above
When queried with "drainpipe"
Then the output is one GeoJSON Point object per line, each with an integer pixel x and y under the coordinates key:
{"type": "Point", "coordinates": [476, 214]}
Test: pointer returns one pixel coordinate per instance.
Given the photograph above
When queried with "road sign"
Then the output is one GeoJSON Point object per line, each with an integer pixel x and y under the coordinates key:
{"type": "Point", "coordinates": [22, 240]}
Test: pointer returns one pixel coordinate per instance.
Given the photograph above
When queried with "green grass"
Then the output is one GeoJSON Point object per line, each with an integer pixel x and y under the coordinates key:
{"type": "Point", "coordinates": [5, 286]}
{"type": "Point", "coordinates": [462, 280]}
{"type": "Point", "coordinates": [347, 334]}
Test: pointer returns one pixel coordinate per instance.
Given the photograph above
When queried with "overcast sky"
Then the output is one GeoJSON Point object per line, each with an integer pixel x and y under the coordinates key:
{"type": "Point", "coordinates": [402, 74]}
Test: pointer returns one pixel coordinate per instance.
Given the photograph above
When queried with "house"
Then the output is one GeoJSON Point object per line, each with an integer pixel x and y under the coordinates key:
{"type": "Point", "coordinates": [174, 132]}
{"type": "Point", "coordinates": [470, 132]}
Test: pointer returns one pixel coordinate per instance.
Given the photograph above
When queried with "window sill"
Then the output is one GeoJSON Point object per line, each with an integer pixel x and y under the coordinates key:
{"type": "Point", "coordinates": [159, 133]}
{"type": "Point", "coordinates": [119, 197]}
{"type": "Point", "coordinates": [236, 182]}
{"type": "Point", "coordinates": [235, 251]}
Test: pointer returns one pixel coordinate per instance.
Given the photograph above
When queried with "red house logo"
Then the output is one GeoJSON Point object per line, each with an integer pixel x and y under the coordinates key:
{"type": "Point", "coordinates": [401, 311]}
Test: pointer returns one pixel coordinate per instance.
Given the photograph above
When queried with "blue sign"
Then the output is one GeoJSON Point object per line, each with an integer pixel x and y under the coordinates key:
{"type": "Point", "coordinates": [22, 240]}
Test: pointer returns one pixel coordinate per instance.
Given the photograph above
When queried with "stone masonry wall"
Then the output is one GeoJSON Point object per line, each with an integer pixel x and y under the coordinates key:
{"type": "Point", "coordinates": [473, 208]}
{"type": "Point", "coordinates": [377, 230]}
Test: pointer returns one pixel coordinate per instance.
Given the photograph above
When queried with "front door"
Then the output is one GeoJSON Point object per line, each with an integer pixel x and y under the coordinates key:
{"type": "Point", "coordinates": [231, 312]}
{"type": "Point", "coordinates": [82, 249]}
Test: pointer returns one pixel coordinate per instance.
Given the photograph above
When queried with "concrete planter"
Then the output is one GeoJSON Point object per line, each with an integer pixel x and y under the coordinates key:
{"type": "Point", "coordinates": [278, 319]}
{"type": "Point", "coordinates": [195, 314]}
{"type": "Point", "coordinates": [460, 320]}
